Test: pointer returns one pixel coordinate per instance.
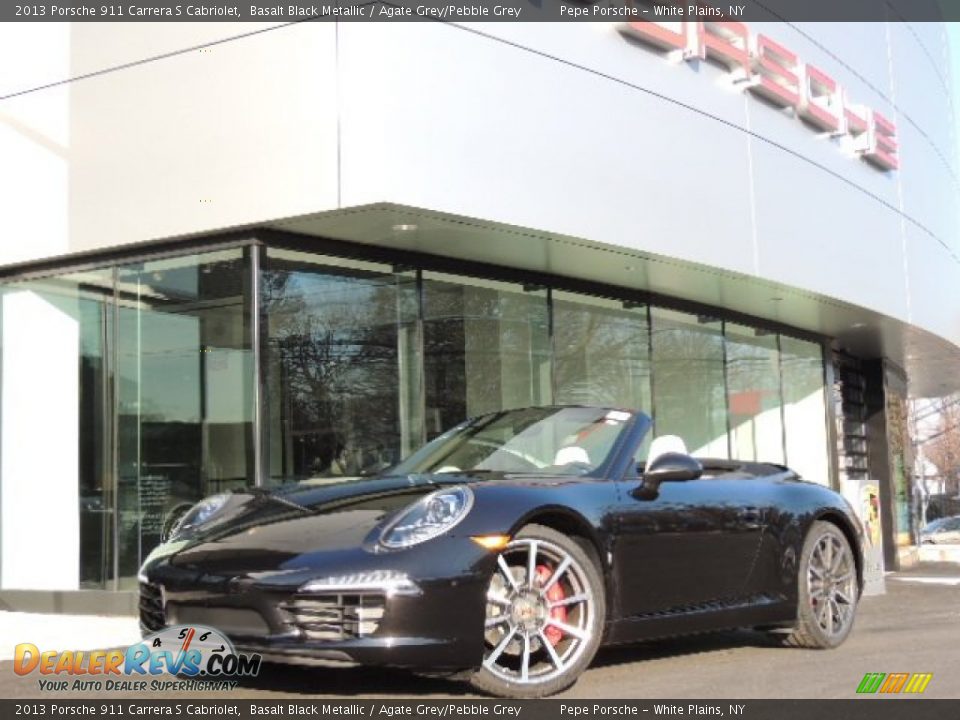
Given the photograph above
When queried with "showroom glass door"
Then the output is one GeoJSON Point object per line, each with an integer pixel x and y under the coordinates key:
{"type": "Point", "coordinates": [754, 392]}
{"type": "Point", "coordinates": [97, 489]}
{"type": "Point", "coordinates": [689, 380]}
{"type": "Point", "coordinates": [486, 348]}
{"type": "Point", "coordinates": [185, 386]}
{"type": "Point", "coordinates": [340, 363]}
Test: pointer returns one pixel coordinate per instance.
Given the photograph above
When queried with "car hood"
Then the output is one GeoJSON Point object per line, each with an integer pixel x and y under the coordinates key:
{"type": "Point", "coordinates": [285, 528]}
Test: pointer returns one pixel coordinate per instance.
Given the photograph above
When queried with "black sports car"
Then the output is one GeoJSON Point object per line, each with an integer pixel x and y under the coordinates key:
{"type": "Point", "coordinates": [512, 547]}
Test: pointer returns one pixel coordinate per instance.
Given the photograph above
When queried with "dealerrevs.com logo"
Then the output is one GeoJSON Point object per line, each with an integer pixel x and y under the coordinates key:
{"type": "Point", "coordinates": [201, 657]}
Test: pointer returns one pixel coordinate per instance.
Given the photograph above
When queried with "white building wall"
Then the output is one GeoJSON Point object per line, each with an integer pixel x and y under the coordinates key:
{"type": "Point", "coordinates": [207, 137]}
{"type": "Point", "coordinates": [34, 140]}
{"type": "Point", "coordinates": [582, 132]}
{"type": "Point", "coordinates": [567, 128]}
{"type": "Point", "coordinates": [39, 488]}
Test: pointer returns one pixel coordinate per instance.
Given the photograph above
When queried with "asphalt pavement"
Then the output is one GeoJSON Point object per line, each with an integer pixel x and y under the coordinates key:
{"type": "Point", "coordinates": [914, 627]}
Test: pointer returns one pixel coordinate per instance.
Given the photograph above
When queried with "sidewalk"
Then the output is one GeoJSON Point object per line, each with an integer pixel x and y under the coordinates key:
{"type": "Point", "coordinates": [65, 632]}
{"type": "Point", "coordinates": [939, 554]}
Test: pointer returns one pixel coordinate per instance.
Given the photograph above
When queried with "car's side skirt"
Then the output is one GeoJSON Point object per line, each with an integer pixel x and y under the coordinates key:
{"type": "Point", "coordinates": [759, 610]}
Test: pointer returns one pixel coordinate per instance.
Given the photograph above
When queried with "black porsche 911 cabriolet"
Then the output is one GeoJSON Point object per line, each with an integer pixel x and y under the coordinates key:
{"type": "Point", "coordinates": [511, 548]}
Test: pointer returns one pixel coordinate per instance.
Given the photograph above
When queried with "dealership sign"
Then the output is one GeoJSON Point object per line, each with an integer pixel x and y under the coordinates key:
{"type": "Point", "coordinates": [777, 74]}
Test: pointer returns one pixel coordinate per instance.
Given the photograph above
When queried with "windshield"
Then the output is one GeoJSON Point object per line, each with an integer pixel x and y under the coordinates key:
{"type": "Point", "coordinates": [551, 440]}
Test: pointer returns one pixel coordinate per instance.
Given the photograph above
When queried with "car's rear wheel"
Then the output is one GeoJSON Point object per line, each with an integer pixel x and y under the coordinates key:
{"type": "Point", "coordinates": [545, 615]}
{"type": "Point", "coordinates": [828, 589]}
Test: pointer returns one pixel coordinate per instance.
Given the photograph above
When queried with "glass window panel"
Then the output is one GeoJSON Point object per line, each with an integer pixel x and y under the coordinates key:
{"type": "Point", "coordinates": [689, 396]}
{"type": "Point", "coordinates": [56, 365]}
{"type": "Point", "coordinates": [486, 348]}
{"type": "Point", "coordinates": [341, 354]}
{"type": "Point", "coordinates": [804, 409]}
{"type": "Point", "coordinates": [753, 394]}
{"type": "Point", "coordinates": [601, 354]}
{"type": "Point", "coordinates": [185, 392]}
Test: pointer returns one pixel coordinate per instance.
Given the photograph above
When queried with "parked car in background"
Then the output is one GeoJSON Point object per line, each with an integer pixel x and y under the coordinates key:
{"type": "Point", "coordinates": [943, 531]}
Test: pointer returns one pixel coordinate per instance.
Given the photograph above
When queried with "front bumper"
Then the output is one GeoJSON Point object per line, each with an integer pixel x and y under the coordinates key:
{"type": "Point", "coordinates": [440, 627]}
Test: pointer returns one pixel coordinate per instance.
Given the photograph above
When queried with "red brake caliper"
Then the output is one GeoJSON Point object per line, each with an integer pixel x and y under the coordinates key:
{"type": "Point", "coordinates": [554, 594]}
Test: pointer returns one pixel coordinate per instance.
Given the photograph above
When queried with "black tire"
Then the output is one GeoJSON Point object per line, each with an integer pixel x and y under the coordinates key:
{"type": "Point", "coordinates": [823, 619]}
{"type": "Point", "coordinates": [560, 664]}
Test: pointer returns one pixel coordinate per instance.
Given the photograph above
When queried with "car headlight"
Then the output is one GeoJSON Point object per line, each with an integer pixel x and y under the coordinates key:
{"type": "Point", "coordinates": [200, 514]}
{"type": "Point", "coordinates": [429, 517]}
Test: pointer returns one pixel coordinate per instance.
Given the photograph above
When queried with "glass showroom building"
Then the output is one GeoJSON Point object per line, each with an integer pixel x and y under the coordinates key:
{"type": "Point", "coordinates": [768, 294]}
{"type": "Point", "coordinates": [189, 375]}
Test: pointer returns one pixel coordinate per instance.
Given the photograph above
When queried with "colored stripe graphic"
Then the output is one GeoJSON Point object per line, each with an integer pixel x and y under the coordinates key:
{"type": "Point", "coordinates": [871, 682]}
{"type": "Point", "coordinates": [894, 682]}
{"type": "Point", "coordinates": [918, 682]}
{"type": "Point", "coordinates": [891, 683]}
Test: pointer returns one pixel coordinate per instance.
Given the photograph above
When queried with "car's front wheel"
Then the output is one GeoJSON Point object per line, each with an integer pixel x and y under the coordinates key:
{"type": "Point", "coordinates": [545, 615]}
{"type": "Point", "coordinates": [828, 589]}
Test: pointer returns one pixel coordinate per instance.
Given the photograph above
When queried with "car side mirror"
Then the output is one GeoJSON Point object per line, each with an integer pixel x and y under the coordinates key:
{"type": "Point", "coordinates": [669, 467]}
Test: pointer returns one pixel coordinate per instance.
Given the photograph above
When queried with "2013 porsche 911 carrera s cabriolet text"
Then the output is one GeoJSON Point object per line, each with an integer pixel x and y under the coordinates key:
{"type": "Point", "coordinates": [510, 549]}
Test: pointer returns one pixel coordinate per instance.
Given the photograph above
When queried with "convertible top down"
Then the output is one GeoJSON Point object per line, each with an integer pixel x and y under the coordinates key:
{"type": "Point", "coordinates": [511, 548]}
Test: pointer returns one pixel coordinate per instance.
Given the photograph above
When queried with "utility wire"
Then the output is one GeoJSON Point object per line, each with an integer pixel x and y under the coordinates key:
{"type": "Point", "coordinates": [153, 58]}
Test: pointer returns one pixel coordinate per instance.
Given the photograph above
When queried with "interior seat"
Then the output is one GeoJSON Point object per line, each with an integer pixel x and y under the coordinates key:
{"type": "Point", "coordinates": [665, 444]}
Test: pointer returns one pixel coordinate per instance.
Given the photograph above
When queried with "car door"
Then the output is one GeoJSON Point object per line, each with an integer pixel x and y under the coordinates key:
{"type": "Point", "coordinates": [693, 544]}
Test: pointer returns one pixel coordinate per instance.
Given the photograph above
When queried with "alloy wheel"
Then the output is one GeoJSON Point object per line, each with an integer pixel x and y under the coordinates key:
{"type": "Point", "coordinates": [832, 584]}
{"type": "Point", "coordinates": [540, 609]}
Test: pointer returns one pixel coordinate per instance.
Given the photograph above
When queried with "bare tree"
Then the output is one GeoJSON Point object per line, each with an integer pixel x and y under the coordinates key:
{"type": "Point", "coordinates": [942, 447]}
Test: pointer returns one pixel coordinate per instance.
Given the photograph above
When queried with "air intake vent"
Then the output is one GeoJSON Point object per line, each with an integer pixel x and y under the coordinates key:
{"type": "Point", "coordinates": [152, 615]}
{"type": "Point", "coordinates": [333, 617]}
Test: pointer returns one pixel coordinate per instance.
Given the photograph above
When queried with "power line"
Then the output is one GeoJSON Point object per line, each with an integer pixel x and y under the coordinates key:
{"type": "Point", "coordinates": [152, 58]}
{"type": "Point", "coordinates": [939, 410]}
